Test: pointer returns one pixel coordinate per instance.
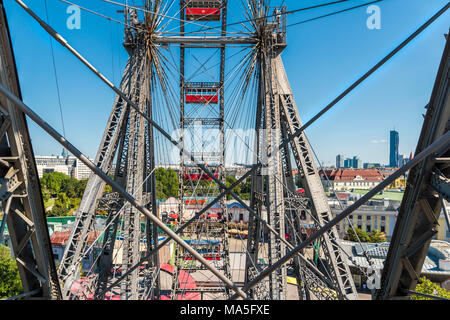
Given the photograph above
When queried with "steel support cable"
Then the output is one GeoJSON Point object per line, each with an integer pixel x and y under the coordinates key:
{"type": "Point", "coordinates": [101, 15]}
{"type": "Point", "coordinates": [162, 15]}
{"type": "Point", "coordinates": [292, 223]}
{"type": "Point", "coordinates": [64, 43]}
{"type": "Point", "coordinates": [143, 210]}
{"type": "Point", "coordinates": [333, 13]}
{"type": "Point", "coordinates": [348, 219]}
{"type": "Point", "coordinates": [65, 143]}
{"type": "Point", "coordinates": [247, 56]}
{"type": "Point", "coordinates": [162, 77]}
{"type": "Point", "coordinates": [229, 79]}
{"type": "Point", "coordinates": [274, 15]}
{"type": "Point", "coordinates": [334, 241]}
{"type": "Point", "coordinates": [105, 228]}
{"type": "Point", "coordinates": [229, 75]}
{"type": "Point", "coordinates": [112, 52]}
{"type": "Point", "coordinates": [365, 76]}
{"type": "Point", "coordinates": [56, 74]}
{"type": "Point", "coordinates": [359, 81]}
{"type": "Point", "coordinates": [184, 226]}
{"type": "Point", "coordinates": [236, 113]}
{"type": "Point", "coordinates": [159, 8]}
{"type": "Point", "coordinates": [202, 26]}
{"type": "Point", "coordinates": [227, 190]}
{"type": "Point", "coordinates": [436, 147]}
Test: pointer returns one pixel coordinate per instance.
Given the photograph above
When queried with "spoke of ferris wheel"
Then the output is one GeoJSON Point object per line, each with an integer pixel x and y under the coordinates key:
{"type": "Point", "coordinates": [318, 224]}
{"type": "Point", "coordinates": [184, 226]}
{"type": "Point", "coordinates": [270, 228]}
{"type": "Point", "coordinates": [366, 75]}
{"type": "Point", "coordinates": [101, 15]}
{"type": "Point", "coordinates": [437, 146]}
{"type": "Point", "coordinates": [205, 28]}
{"type": "Point", "coordinates": [161, 15]}
{"type": "Point", "coordinates": [72, 149]}
{"type": "Point", "coordinates": [359, 81]}
{"type": "Point", "coordinates": [91, 247]}
{"type": "Point", "coordinates": [64, 42]}
{"type": "Point", "coordinates": [314, 218]}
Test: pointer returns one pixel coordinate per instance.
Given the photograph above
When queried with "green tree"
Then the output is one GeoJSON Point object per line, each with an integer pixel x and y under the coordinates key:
{"type": "Point", "coordinates": [166, 183]}
{"type": "Point", "coordinates": [363, 235]}
{"type": "Point", "coordinates": [298, 182]}
{"type": "Point", "coordinates": [426, 286]}
{"type": "Point", "coordinates": [53, 181]}
{"type": "Point", "coordinates": [68, 186]}
{"type": "Point", "coordinates": [61, 207]}
{"type": "Point", "coordinates": [229, 180]}
{"type": "Point", "coordinates": [245, 189]}
{"type": "Point", "coordinates": [67, 191]}
{"type": "Point", "coordinates": [375, 236]}
{"type": "Point", "coordinates": [10, 284]}
{"type": "Point", "coordinates": [108, 189]}
{"type": "Point", "coordinates": [57, 212]}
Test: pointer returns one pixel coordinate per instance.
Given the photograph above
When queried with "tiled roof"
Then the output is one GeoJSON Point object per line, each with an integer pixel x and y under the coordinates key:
{"type": "Point", "coordinates": [353, 174]}
{"type": "Point", "coordinates": [61, 237]}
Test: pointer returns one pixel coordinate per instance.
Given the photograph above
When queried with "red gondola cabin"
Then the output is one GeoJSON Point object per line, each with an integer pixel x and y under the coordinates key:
{"type": "Point", "coordinates": [195, 175]}
{"type": "Point", "coordinates": [202, 92]}
{"type": "Point", "coordinates": [203, 10]}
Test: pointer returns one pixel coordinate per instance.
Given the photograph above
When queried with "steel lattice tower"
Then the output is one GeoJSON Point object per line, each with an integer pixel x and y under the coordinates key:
{"type": "Point", "coordinates": [214, 159]}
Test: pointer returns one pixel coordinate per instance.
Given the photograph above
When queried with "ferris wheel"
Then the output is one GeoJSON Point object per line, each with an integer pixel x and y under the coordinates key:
{"type": "Point", "coordinates": [205, 87]}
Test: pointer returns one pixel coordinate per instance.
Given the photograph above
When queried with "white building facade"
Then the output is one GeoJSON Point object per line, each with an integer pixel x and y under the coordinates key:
{"type": "Point", "coordinates": [70, 166]}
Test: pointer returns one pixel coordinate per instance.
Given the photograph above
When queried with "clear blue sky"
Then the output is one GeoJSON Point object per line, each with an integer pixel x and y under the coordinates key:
{"type": "Point", "coordinates": [323, 57]}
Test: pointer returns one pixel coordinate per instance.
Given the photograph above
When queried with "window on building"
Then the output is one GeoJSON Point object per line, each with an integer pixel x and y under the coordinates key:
{"type": "Point", "coordinates": [383, 229]}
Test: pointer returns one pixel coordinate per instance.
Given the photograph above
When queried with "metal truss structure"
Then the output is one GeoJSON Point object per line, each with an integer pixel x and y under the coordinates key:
{"type": "Point", "coordinates": [129, 138]}
{"type": "Point", "coordinates": [427, 187]}
{"type": "Point", "coordinates": [275, 209]}
{"type": "Point", "coordinates": [209, 230]}
{"type": "Point", "coordinates": [20, 194]}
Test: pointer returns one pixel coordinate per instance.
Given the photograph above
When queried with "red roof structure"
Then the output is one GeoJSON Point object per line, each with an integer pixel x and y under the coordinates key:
{"type": "Point", "coordinates": [61, 237]}
{"type": "Point", "coordinates": [352, 174]}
